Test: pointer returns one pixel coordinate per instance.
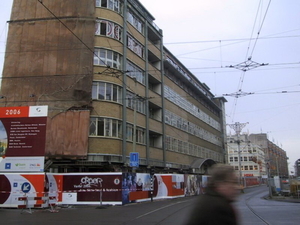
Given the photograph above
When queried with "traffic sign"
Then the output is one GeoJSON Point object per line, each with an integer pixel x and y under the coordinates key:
{"type": "Point", "coordinates": [26, 187]}
{"type": "Point", "coordinates": [134, 159]}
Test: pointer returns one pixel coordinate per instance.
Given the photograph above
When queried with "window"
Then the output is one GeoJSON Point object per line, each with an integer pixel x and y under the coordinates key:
{"type": "Point", "coordinates": [135, 72]}
{"type": "Point", "coordinates": [178, 100]}
{"type": "Point", "coordinates": [108, 29]}
{"type": "Point", "coordinates": [134, 21]}
{"type": "Point", "coordinates": [110, 4]}
{"type": "Point", "coordinates": [135, 46]}
{"type": "Point", "coordinates": [235, 159]}
{"type": "Point", "coordinates": [140, 134]}
{"type": "Point", "coordinates": [250, 167]}
{"type": "Point", "coordinates": [107, 91]}
{"type": "Point", "coordinates": [105, 127]}
{"type": "Point", "coordinates": [129, 132]}
{"type": "Point", "coordinates": [168, 143]}
{"type": "Point", "coordinates": [231, 159]}
{"type": "Point", "coordinates": [245, 167]}
{"type": "Point", "coordinates": [104, 57]}
{"type": "Point", "coordinates": [133, 101]}
{"type": "Point", "coordinates": [177, 121]}
{"type": "Point", "coordinates": [245, 158]}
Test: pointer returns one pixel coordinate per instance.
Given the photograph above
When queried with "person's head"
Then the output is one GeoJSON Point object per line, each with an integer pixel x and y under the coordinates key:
{"type": "Point", "coordinates": [224, 180]}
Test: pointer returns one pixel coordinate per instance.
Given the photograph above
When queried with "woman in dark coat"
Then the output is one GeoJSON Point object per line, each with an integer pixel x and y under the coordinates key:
{"type": "Point", "coordinates": [215, 206]}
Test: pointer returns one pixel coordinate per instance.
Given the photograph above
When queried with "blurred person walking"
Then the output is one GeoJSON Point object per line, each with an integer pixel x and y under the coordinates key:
{"type": "Point", "coordinates": [215, 206]}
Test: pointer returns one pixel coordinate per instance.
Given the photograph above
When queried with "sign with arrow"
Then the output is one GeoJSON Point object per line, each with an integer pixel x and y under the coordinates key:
{"type": "Point", "coordinates": [26, 187]}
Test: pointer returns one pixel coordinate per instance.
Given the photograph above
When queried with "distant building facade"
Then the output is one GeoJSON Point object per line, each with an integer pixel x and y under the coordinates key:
{"type": "Point", "coordinates": [297, 168]}
{"type": "Point", "coordinates": [112, 88]}
{"type": "Point", "coordinates": [275, 157]}
{"type": "Point", "coordinates": [252, 156]}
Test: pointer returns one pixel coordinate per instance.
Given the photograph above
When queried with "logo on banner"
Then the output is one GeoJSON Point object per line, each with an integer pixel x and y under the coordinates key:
{"type": "Point", "coordinates": [89, 182]}
{"type": "Point", "coordinates": [7, 166]}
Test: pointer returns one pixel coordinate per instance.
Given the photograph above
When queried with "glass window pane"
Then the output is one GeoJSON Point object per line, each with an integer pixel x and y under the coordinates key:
{"type": "Point", "coordinates": [103, 28]}
{"type": "Point", "coordinates": [100, 127]}
{"type": "Point", "coordinates": [108, 91]}
{"type": "Point", "coordinates": [101, 93]}
{"type": "Point", "coordinates": [104, 3]}
{"type": "Point", "coordinates": [94, 90]}
{"type": "Point", "coordinates": [108, 123]}
{"type": "Point", "coordinates": [93, 126]}
{"type": "Point", "coordinates": [115, 93]}
{"type": "Point", "coordinates": [119, 129]}
{"type": "Point", "coordinates": [102, 57]}
{"type": "Point", "coordinates": [120, 95]}
{"type": "Point", "coordinates": [114, 128]}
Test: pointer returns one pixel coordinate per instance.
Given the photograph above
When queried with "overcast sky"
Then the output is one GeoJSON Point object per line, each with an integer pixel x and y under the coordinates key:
{"type": "Point", "coordinates": [210, 36]}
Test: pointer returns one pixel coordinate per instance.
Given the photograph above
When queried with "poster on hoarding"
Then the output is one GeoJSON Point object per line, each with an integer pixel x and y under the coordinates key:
{"type": "Point", "coordinates": [13, 186]}
{"type": "Point", "coordinates": [22, 138]}
{"type": "Point", "coordinates": [82, 188]}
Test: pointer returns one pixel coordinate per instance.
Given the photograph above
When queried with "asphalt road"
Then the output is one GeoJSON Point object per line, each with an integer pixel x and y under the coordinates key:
{"type": "Point", "coordinates": [252, 208]}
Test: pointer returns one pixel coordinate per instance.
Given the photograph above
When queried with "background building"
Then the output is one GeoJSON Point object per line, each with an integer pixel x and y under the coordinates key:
{"type": "Point", "coordinates": [111, 87]}
{"type": "Point", "coordinates": [252, 156]}
{"type": "Point", "coordinates": [297, 168]}
{"type": "Point", "coordinates": [275, 157]}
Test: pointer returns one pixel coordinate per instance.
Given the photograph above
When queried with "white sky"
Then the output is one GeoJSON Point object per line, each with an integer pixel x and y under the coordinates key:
{"type": "Point", "coordinates": [207, 36]}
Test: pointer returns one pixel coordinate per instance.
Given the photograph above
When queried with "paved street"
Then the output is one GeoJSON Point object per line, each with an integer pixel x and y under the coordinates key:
{"type": "Point", "coordinates": [253, 211]}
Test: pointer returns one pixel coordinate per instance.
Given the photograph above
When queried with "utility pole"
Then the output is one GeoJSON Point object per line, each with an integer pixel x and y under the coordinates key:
{"type": "Point", "coordinates": [237, 127]}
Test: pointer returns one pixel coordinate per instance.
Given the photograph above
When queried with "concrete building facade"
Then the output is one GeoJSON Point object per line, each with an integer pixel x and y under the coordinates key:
{"type": "Point", "coordinates": [275, 156]}
{"type": "Point", "coordinates": [252, 156]}
{"type": "Point", "coordinates": [112, 88]}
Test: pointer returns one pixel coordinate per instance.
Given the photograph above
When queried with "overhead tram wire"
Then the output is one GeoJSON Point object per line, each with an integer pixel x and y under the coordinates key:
{"type": "Point", "coordinates": [108, 68]}
{"type": "Point", "coordinates": [235, 39]}
{"type": "Point", "coordinates": [79, 39]}
{"type": "Point", "coordinates": [260, 28]}
{"type": "Point", "coordinates": [249, 57]}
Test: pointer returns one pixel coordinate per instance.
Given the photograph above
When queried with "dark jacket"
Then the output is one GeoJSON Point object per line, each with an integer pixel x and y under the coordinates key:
{"type": "Point", "coordinates": [212, 209]}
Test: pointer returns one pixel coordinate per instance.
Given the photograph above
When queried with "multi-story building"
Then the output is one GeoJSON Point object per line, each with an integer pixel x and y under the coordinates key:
{"type": "Point", "coordinates": [252, 157]}
{"type": "Point", "coordinates": [275, 157]}
{"type": "Point", "coordinates": [111, 87]}
{"type": "Point", "coordinates": [297, 168]}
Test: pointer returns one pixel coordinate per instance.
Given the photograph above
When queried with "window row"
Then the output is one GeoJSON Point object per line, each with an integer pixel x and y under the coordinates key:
{"type": "Point", "coordinates": [135, 46]}
{"type": "Point", "coordinates": [135, 72]}
{"type": "Point", "coordinates": [191, 108]}
{"type": "Point", "coordinates": [107, 91]}
{"type": "Point", "coordinates": [175, 145]}
{"type": "Point", "coordinates": [115, 5]}
{"type": "Point", "coordinates": [243, 158]}
{"type": "Point", "coordinates": [249, 167]}
{"type": "Point", "coordinates": [107, 127]}
{"type": "Point", "coordinates": [134, 21]}
{"type": "Point", "coordinates": [112, 92]}
{"type": "Point", "coordinates": [188, 88]}
{"type": "Point", "coordinates": [105, 57]}
{"type": "Point", "coordinates": [180, 123]}
{"type": "Point", "coordinates": [109, 29]}
{"type": "Point", "coordinates": [135, 102]}
{"type": "Point", "coordinates": [140, 134]}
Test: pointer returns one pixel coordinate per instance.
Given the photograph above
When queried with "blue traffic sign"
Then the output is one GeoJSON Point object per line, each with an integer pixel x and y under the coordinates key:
{"type": "Point", "coordinates": [134, 159]}
{"type": "Point", "coordinates": [26, 187]}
